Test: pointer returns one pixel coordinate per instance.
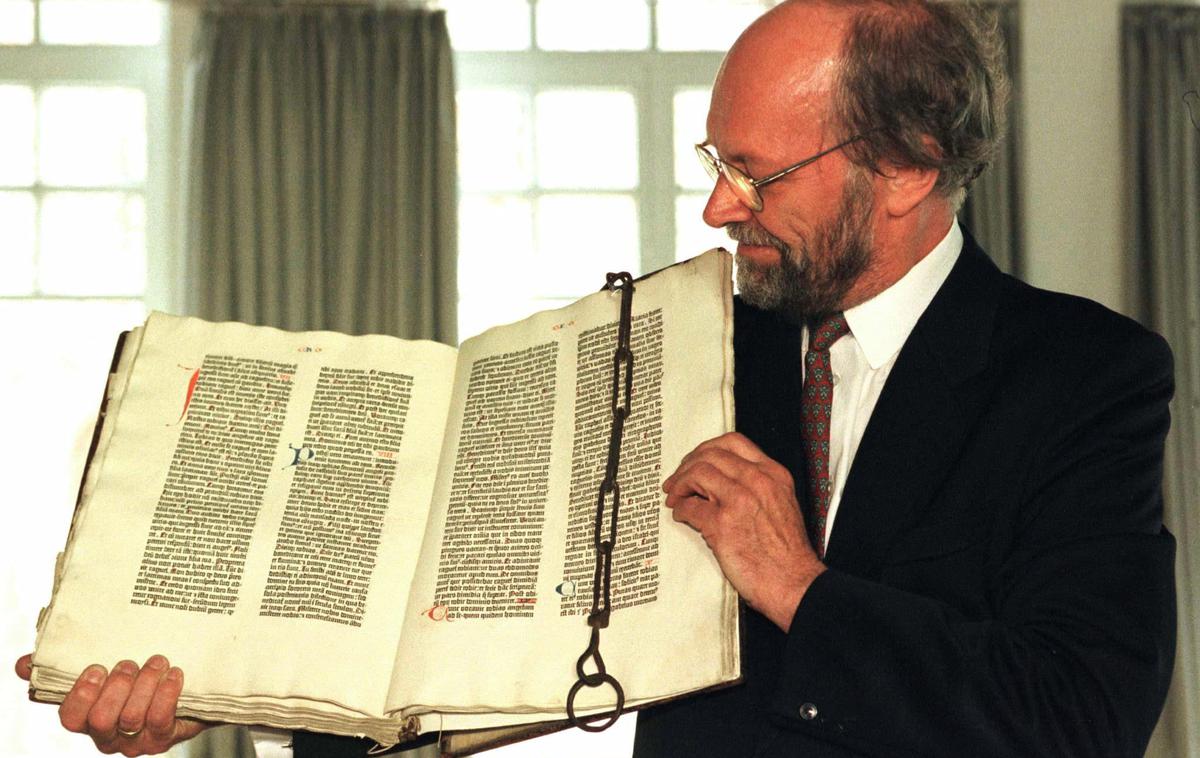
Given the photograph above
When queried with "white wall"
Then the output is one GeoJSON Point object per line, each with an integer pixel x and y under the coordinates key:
{"type": "Point", "coordinates": [1072, 147]}
{"type": "Point", "coordinates": [1071, 78]}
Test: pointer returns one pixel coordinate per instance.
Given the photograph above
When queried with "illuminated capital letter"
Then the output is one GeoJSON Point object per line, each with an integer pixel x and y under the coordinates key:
{"type": "Point", "coordinates": [301, 454]}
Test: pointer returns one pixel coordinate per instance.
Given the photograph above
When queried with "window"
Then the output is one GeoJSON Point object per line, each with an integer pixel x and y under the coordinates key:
{"type": "Point", "coordinates": [576, 125]}
{"type": "Point", "coordinates": [577, 120]}
{"type": "Point", "coordinates": [79, 191]}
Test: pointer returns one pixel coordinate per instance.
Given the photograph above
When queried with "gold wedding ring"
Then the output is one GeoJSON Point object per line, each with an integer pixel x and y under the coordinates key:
{"type": "Point", "coordinates": [125, 733]}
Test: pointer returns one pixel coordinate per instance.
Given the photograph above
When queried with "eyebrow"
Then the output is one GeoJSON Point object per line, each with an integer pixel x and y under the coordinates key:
{"type": "Point", "coordinates": [738, 158]}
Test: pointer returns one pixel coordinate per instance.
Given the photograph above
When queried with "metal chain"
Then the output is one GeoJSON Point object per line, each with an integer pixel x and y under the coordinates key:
{"type": "Point", "coordinates": [602, 577]}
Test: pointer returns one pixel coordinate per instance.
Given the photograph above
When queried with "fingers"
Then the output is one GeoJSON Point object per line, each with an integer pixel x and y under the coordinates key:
{"type": "Point", "coordinates": [694, 497]}
{"type": "Point", "coordinates": [728, 463]}
{"type": "Point", "coordinates": [160, 721]}
{"type": "Point", "coordinates": [699, 514]}
{"type": "Point", "coordinates": [73, 713]}
{"type": "Point", "coordinates": [737, 444]}
{"type": "Point", "coordinates": [133, 715]}
{"type": "Point", "coordinates": [734, 445]}
{"type": "Point", "coordinates": [735, 457]}
{"type": "Point", "coordinates": [24, 667]}
{"type": "Point", "coordinates": [103, 716]}
{"type": "Point", "coordinates": [131, 710]}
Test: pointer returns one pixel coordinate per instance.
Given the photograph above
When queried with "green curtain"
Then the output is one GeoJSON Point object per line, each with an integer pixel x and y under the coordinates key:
{"type": "Point", "coordinates": [321, 182]}
{"type": "Point", "coordinates": [322, 176]}
{"type": "Point", "coordinates": [1161, 66]}
{"type": "Point", "coordinates": [992, 212]}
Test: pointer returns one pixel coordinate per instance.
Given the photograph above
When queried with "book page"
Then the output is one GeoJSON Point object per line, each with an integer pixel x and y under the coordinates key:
{"type": "Point", "coordinates": [498, 613]}
{"type": "Point", "coordinates": [261, 504]}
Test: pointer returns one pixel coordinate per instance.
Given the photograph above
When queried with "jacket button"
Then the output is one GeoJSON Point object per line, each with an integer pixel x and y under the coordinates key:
{"type": "Point", "coordinates": [808, 711]}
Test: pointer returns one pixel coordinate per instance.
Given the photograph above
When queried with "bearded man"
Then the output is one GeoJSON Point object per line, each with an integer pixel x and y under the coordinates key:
{"type": "Point", "coordinates": [943, 507]}
{"type": "Point", "coordinates": [948, 523]}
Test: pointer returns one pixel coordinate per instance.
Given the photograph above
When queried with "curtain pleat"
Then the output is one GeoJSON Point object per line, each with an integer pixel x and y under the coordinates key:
{"type": "Point", "coordinates": [992, 211]}
{"type": "Point", "coordinates": [1161, 67]}
{"type": "Point", "coordinates": [322, 187]}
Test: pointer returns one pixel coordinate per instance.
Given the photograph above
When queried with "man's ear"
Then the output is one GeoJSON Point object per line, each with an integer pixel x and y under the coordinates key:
{"type": "Point", "coordinates": [903, 188]}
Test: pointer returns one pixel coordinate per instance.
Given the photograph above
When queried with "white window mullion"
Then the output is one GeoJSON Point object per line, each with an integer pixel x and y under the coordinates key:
{"type": "Point", "coordinates": [668, 222]}
{"type": "Point", "coordinates": [162, 255]}
{"type": "Point", "coordinates": [658, 171]}
{"type": "Point", "coordinates": [533, 35]}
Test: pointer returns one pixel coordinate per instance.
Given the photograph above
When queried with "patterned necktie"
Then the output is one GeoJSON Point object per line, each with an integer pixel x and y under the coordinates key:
{"type": "Point", "coordinates": [815, 411]}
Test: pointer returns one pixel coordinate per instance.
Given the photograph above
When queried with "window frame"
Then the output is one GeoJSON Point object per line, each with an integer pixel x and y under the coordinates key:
{"type": "Point", "coordinates": [39, 65]}
{"type": "Point", "coordinates": [653, 77]}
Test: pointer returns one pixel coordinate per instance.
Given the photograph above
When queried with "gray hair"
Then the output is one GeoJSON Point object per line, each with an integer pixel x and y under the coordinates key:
{"type": "Point", "coordinates": [925, 83]}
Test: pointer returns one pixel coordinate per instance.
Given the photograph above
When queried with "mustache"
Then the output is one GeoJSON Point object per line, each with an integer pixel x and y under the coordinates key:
{"type": "Point", "coordinates": [748, 234]}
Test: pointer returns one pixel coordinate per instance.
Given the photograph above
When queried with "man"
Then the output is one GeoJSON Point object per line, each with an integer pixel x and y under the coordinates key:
{"type": "Point", "coordinates": [947, 525]}
{"type": "Point", "coordinates": [995, 579]}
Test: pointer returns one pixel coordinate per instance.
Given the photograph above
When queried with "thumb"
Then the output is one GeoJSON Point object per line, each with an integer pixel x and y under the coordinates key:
{"type": "Point", "coordinates": [24, 666]}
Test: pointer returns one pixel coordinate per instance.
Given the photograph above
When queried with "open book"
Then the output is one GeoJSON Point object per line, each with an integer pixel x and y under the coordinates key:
{"type": "Point", "coordinates": [380, 537]}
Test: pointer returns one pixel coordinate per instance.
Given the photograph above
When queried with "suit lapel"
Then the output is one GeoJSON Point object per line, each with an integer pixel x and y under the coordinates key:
{"type": "Point", "coordinates": [918, 426]}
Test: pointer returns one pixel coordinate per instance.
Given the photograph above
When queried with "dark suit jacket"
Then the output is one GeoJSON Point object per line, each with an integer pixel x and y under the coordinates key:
{"type": "Point", "coordinates": [999, 581]}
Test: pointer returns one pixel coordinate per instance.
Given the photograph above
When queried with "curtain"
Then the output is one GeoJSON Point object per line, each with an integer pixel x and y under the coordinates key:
{"type": "Point", "coordinates": [992, 212]}
{"type": "Point", "coordinates": [322, 176]}
{"type": "Point", "coordinates": [1161, 65]}
{"type": "Point", "coordinates": [321, 187]}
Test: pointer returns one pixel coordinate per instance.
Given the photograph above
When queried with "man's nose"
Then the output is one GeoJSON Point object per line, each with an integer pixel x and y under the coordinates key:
{"type": "Point", "coordinates": [723, 206]}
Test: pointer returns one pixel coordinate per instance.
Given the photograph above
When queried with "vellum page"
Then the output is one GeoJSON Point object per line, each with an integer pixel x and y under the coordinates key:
{"type": "Point", "coordinates": [497, 616]}
{"type": "Point", "coordinates": [257, 517]}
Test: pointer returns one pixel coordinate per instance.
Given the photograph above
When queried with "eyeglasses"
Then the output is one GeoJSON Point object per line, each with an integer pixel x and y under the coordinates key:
{"type": "Point", "coordinates": [746, 188]}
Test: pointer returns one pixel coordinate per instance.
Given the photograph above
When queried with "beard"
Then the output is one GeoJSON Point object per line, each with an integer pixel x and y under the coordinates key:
{"type": "Point", "coordinates": [812, 279]}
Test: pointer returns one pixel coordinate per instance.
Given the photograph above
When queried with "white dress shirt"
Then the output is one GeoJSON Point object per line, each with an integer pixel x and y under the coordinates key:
{"type": "Point", "coordinates": [271, 743]}
{"type": "Point", "coordinates": [862, 360]}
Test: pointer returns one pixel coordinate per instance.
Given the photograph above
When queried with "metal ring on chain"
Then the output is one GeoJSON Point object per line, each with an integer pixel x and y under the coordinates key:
{"type": "Point", "coordinates": [600, 680]}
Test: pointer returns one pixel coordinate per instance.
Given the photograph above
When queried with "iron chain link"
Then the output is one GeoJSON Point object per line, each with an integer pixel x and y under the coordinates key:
{"type": "Point", "coordinates": [622, 397]}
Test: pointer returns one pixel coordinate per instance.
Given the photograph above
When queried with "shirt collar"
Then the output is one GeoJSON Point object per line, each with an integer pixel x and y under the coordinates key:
{"type": "Point", "coordinates": [882, 324]}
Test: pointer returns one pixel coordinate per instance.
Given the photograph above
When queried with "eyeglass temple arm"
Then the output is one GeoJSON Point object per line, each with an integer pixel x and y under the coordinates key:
{"type": "Point", "coordinates": [756, 183]}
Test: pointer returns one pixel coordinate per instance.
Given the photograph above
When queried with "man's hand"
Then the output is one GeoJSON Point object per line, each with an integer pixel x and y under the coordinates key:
{"type": "Point", "coordinates": [130, 711]}
{"type": "Point", "coordinates": [744, 505]}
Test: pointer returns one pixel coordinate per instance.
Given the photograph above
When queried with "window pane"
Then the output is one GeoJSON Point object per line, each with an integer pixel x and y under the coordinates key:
{"type": "Point", "coordinates": [16, 22]}
{"type": "Point", "coordinates": [478, 313]}
{"type": "Point", "coordinates": [101, 22]}
{"type": "Point", "coordinates": [16, 134]}
{"type": "Point", "coordinates": [18, 213]}
{"type": "Point", "coordinates": [704, 24]}
{"type": "Point", "coordinates": [691, 111]}
{"type": "Point", "coordinates": [692, 235]}
{"type": "Point", "coordinates": [580, 238]}
{"type": "Point", "coordinates": [488, 24]}
{"type": "Point", "coordinates": [495, 147]}
{"type": "Point", "coordinates": [495, 240]}
{"type": "Point", "coordinates": [93, 243]}
{"type": "Point", "coordinates": [93, 136]}
{"type": "Point", "coordinates": [608, 25]}
{"type": "Point", "coordinates": [587, 138]}
{"type": "Point", "coordinates": [50, 395]}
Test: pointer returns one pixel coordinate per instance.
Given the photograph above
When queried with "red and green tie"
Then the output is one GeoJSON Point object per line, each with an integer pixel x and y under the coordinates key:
{"type": "Point", "coordinates": [815, 411]}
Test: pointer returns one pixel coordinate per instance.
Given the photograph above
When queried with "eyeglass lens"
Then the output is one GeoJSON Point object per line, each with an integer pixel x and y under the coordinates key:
{"type": "Point", "coordinates": [741, 184]}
